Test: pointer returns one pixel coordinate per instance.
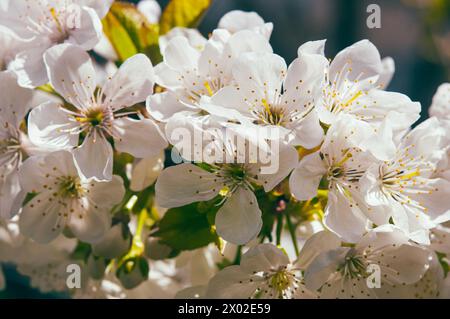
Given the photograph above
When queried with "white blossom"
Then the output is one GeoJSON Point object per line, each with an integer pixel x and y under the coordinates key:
{"type": "Point", "coordinates": [65, 200]}
{"type": "Point", "coordinates": [264, 272]}
{"type": "Point", "coordinates": [43, 24]}
{"type": "Point", "coordinates": [340, 271]}
{"type": "Point", "coordinates": [98, 114]}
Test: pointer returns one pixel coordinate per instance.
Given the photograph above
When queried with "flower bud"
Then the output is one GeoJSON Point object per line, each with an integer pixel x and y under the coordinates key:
{"type": "Point", "coordinates": [156, 250]}
{"type": "Point", "coordinates": [115, 243]}
{"type": "Point", "coordinates": [133, 272]}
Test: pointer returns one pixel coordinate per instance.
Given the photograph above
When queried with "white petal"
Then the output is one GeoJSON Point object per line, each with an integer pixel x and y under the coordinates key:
{"type": "Point", "coordinates": [15, 100]}
{"type": "Point", "coordinates": [140, 138]}
{"type": "Point", "coordinates": [29, 65]}
{"type": "Point", "coordinates": [213, 63]}
{"type": "Point", "coordinates": [305, 179]}
{"type": "Point", "coordinates": [167, 77]}
{"type": "Point", "coordinates": [323, 266]}
{"type": "Point", "coordinates": [146, 171]}
{"type": "Point", "coordinates": [304, 80]}
{"type": "Point", "coordinates": [309, 133]}
{"type": "Point", "coordinates": [89, 223]}
{"type": "Point", "coordinates": [387, 73]}
{"type": "Point", "coordinates": [246, 41]}
{"type": "Point", "coordinates": [312, 47]}
{"type": "Point", "coordinates": [105, 49]}
{"type": "Point", "coordinates": [89, 31]}
{"type": "Point", "coordinates": [230, 97]}
{"type": "Point", "coordinates": [113, 244]}
{"type": "Point", "coordinates": [48, 125]}
{"type": "Point", "coordinates": [163, 106]}
{"type": "Point", "coordinates": [344, 219]}
{"type": "Point", "coordinates": [282, 163]}
{"type": "Point", "coordinates": [318, 243]}
{"type": "Point", "coordinates": [106, 194]}
{"type": "Point", "coordinates": [360, 58]}
{"type": "Point", "coordinates": [132, 83]}
{"type": "Point", "coordinates": [71, 73]}
{"type": "Point", "coordinates": [230, 283]}
{"type": "Point", "coordinates": [151, 9]}
{"type": "Point", "coordinates": [380, 207]}
{"type": "Point", "coordinates": [184, 184]}
{"type": "Point", "coordinates": [377, 104]}
{"type": "Point", "coordinates": [239, 219]}
{"type": "Point", "coordinates": [408, 262]}
{"type": "Point", "coordinates": [194, 37]}
{"type": "Point", "coordinates": [179, 55]}
{"type": "Point", "coordinates": [11, 196]}
{"type": "Point", "coordinates": [440, 107]}
{"type": "Point", "coordinates": [237, 20]}
{"type": "Point", "coordinates": [436, 201]}
{"type": "Point", "coordinates": [39, 218]}
{"type": "Point", "coordinates": [94, 158]}
{"type": "Point", "coordinates": [263, 257]}
{"type": "Point", "coordinates": [100, 6]}
{"type": "Point", "coordinates": [259, 75]}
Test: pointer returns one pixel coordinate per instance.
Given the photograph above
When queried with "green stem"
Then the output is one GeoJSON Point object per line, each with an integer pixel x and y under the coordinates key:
{"type": "Point", "coordinates": [137, 245]}
{"type": "Point", "coordinates": [279, 228]}
{"type": "Point", "coordinates": [237, 258]}
{"type": "Point", "coordinates": [292, 232]}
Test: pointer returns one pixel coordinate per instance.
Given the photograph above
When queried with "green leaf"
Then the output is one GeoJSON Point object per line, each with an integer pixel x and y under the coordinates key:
{"type": "Point", "coordinates": [82, 251]}
{"type": "Point", "coordinates": [183, 13]}
{"type": "Point", "coordinates": [185, 228]}
{"type": "Point", "coordinates": [444, 264]}
{"type": "Point", "coordinates": [130, 32]}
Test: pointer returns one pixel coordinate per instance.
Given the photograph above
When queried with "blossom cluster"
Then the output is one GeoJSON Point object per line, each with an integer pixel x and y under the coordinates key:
{"type": "Point", "coordinates": [217, 171]}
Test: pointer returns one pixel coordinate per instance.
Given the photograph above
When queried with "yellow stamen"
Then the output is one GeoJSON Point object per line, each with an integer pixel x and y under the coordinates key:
{"type": "Point", "coordinates": [266, 106]}
{"type": "Point", "coordinates": [410, 175]}
{"type": "Point", "coordinates": [55, 17]}
{"type": "Point", "coordinates": [347, 156]}
{"type": "Point", "coordinates": [208, 88]}
{"type": "Point", "coordinates": [354, 97]}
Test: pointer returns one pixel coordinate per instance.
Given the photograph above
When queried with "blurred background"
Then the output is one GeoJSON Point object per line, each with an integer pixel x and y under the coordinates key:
{"type": "Point", "coordinates": [415, 33]}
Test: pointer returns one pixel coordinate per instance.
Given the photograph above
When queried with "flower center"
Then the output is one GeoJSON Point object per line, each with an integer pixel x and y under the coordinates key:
{"type": "Point", "coordinates": [9, 145]}
{"type": "Point", "coordinates": [281, 281]}
{"type": "Point", "coordinates": [234, 176]}
{"type": "Point", "coordinates": [353, 266]}
{"type": "Point", "coordinates": [206, 88]}
{"type": "Point", "coordinates": [270, 114]}
{"type": "Point", "coordinates": [94, 116]}
{"type": "Point", "coordinates": [235, 172]}
{"type": "Point", "coordinates": [70, 187]}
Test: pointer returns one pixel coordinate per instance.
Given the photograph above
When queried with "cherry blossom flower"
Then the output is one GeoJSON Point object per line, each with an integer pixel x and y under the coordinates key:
{"type": "Point", "coordinates": [45, 23]}
{"type": "Point", "coordinates": [150, 9]}
{"type": "Point", "coordinates": [269, 94]}
{"type": "Point", "coordinates": [237, 20]}
{"type": "Point", "coordinates": [403, 188]}
{"type": "Point", "coordinates": [350, 147]}
{"type": "Point", "coordinates": [344, 271]}
{"type": "Point", "coordinates": [353, 87]}
{"type": "Point", "coordinates": [65, 200]}
{"type": "Point", "coordinates": [440, 106]}
{"type": "Point", "coordinates": [16, 102]}
{"type": "Point", "coordinates": [189, 74]}
{"type": "Point", "coordinates": [239, 218]}
{"type": "Point", "coordinates": [97, 114]}
{"type": "Point", "coordinates": [264, 272]}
